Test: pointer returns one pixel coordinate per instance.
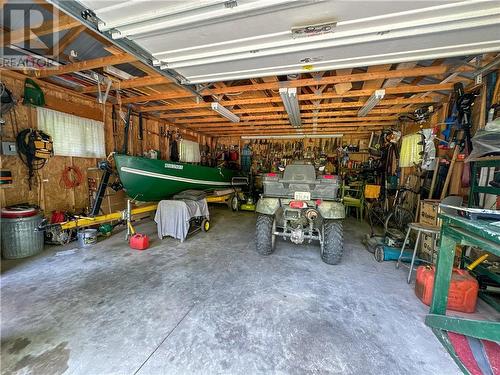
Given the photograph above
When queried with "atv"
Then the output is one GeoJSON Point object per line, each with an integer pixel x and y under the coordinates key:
{"type": "Point", "coordinates": [300, 207]}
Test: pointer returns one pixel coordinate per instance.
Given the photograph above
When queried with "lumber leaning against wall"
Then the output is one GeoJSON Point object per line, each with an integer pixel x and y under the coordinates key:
{"type": "Point", "coordinates": [47, 191]}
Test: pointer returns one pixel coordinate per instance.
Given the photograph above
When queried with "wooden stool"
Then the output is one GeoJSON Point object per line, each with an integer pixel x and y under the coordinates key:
{"type": "Point", "coordinates": [420, 228]}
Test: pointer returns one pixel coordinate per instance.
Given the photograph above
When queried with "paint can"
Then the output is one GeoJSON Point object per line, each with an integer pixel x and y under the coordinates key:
{"type": "Point", "coordinates": [87, 237]}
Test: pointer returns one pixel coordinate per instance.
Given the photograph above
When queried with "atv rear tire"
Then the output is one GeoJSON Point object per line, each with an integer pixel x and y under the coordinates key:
{"type": "Point", "coordinates": [333, 242]}
{"type": "Point", "coordinates": [264, 237]}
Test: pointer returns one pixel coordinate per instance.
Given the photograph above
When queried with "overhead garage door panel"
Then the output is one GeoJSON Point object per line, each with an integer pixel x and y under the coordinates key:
{"type": "Point", "coordinates": [199, 40]}
{"type": "Point", "coordinates": [417, 48]}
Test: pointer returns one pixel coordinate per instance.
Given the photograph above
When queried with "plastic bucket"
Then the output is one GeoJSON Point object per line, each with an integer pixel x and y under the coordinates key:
{"type": "Point", "coordinates": [87, 237]}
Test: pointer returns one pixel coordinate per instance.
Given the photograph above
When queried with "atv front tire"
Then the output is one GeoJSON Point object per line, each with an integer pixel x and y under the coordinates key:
{"type": "Point", "coordinates": [264, 237]}
{"type": "Point", "coordinates": [333, 242]}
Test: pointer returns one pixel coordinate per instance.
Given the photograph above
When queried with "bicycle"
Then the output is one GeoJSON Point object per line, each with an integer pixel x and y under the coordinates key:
{"type": "Point", "coordinates": [395, 219]}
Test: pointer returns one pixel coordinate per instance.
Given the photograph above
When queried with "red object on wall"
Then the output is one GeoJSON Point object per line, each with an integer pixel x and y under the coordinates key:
{"type": "Point", "coordinates": [462, 295]}
{"type": "Point", "coordinates": [139, 241]}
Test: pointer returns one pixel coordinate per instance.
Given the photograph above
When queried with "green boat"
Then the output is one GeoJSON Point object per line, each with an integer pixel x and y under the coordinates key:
{"type": "Point", "coordinates": [151, 180]}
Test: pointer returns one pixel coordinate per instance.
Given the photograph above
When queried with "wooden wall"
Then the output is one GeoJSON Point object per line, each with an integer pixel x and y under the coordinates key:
{"type": "Point", "coordinates": [47, 190]}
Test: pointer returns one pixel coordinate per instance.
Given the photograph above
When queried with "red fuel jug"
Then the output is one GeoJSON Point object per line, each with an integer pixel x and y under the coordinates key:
{"type": "Point", "coordinates": [462, 295]}
{"type": "Point", "coordinates": [139, 241]}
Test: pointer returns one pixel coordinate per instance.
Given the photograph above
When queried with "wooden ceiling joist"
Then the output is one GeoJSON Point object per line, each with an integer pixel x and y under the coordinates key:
{"type": "Point", "coordinates": [405, 89]}
{"type": "Point", "coordinates": [357, 104]}
{"type": "Point", "coordinates": [64, 22]}
{"type": "Point", "coordinates": [285, 123]}
{"type": "Point", "coordinates": [356, 77]}
{"type": "Point", "coordinates": [132, 83]}
{"type": "Point", "coordinates": [381, 111]}
{"type": "Point", "coordinates": [292, 130]}
{"type": "Point", "coordinates": [86, 65]}
{"type": "Point", "coordinates": [282, 117]}
{"type": "Point", "coordinates": [66, 40]}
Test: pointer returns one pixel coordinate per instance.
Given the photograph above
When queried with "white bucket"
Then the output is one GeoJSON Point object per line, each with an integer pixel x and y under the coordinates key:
{"type": "Point", "coordinates": [87, 237]}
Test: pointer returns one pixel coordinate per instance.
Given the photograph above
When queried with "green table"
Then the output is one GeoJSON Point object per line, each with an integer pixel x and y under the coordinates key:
{"type": "Point", "coordinates": [458, 230]}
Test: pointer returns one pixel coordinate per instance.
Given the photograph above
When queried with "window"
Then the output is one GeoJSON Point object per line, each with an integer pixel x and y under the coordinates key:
{"type": "Point", "coordinates": [72, 135]}
{"type": "Point", "coordinates": [189, 152]}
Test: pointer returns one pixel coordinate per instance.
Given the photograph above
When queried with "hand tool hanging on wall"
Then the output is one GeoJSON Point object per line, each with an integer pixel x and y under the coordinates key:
{"type": "Point", "coordinates": [464, 107]}
{"type": "Point", "coordinates": [140, 126]}
{"type": "Point", "coordinates": [126, 130]}
{"type": "Point", "coordinates": [114, 127]}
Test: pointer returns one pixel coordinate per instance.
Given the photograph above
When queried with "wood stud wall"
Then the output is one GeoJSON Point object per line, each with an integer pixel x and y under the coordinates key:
{"type": "Point", "coordinates": [329, 103]}
{"type": "Point", "coordinates": [47, 190]}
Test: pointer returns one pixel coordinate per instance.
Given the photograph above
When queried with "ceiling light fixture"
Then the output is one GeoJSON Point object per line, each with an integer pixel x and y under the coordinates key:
{"type": "Point", "coordinates": [223, 111]}
{"type": "Point", "coordinates": [291, 103]}
{"type": "Point", "coordinates": [292, 136]}
{"type": "Point", "coordinates": [376, 97]}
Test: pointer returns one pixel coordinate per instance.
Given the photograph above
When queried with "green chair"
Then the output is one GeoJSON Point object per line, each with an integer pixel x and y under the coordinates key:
{"type": "Point", "coordinates": [353, 197]}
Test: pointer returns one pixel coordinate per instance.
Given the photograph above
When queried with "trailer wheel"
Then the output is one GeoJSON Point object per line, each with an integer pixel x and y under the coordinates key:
{"type": "Point", "coordinates": [265, 240]}
{"type": "Point", "coordinates": [205, 225]}
{"type": "Point", "coordinates": [333, 242]}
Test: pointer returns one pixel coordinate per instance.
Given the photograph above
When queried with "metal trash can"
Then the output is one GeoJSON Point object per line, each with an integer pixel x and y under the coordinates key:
{"type": "Point", "coordinates": [19, 236]}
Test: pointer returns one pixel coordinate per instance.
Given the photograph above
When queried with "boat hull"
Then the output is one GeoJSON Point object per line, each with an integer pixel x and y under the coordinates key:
{"type": "Point", "coordinates": [151, 180]}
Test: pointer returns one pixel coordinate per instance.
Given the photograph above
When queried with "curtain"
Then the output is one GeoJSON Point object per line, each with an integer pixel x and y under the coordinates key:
{"type": "Point", "coordinates": [410, 151]}
{"type": "Point", "coordinates": [72, 135]}
{"type": "Point", "coordinates": [189, 152]}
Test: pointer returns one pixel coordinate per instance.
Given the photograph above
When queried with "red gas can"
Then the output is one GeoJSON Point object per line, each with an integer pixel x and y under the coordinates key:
{"type": "Point", "coordinates": [139, 241]}
{"type": "Point", "coordinates": [462, 295]}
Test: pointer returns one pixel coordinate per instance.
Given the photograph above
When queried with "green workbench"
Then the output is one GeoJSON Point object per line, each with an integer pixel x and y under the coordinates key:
{"type": "Point", "coordinates": [458, 230]}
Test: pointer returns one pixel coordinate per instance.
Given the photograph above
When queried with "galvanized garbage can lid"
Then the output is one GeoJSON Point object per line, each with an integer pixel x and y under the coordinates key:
{"type": "Point", "coordinates": [15, 212]}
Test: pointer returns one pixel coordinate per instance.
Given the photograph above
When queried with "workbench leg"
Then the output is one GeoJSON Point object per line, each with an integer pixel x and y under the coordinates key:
{"type": "Point", "coordinates": [442, 278]}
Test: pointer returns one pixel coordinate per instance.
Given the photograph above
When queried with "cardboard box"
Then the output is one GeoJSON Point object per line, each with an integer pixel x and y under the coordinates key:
{"type": "Point", "coordinates": [429, 212]}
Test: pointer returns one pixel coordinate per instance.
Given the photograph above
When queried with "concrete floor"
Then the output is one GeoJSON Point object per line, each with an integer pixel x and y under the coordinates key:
{"type": "Point", "coordinates": [212, 305]}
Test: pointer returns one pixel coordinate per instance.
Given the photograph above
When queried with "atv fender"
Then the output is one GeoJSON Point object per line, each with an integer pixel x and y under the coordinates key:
{"type": "Point", "coordinates": [331, 210]}
{"type": "Point", "coordinates": [267, 206]}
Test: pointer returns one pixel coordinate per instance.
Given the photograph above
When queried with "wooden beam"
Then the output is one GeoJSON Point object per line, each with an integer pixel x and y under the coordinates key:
{"type": "Point", "coordinates": [282, 117]}
{"type": "Point", "coordinates": [343, 87]}
{"type": "Point", "coordinates": [282, 109]}
{"type": "Point", "coordinates": [396, 81]}
{"type": "Point", "coordinates": [283, 123]}
{"type": "Point", "coordinates": [417, 80]}
{"type": "Point", "coordinates": [405, 89]}
{"type": "Point", "coordinates": [357, 77]}
{"type": "Point", "coordinates": [66, 40]}
{"type": "Point", "coordinates": [149, 70]}
{"type": "Point", "coordinates": [86, 65]}
{"type": "Point", "coordinates": [21, 35]}
{"type": "Point", "coordinates": [159, 96]}
{"type": "Point", "coordinates": [291, 129]}
{"type": "Point", "coordinates": [132, 83]}
{"type": "Point", "coordinates": [334, 105]}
